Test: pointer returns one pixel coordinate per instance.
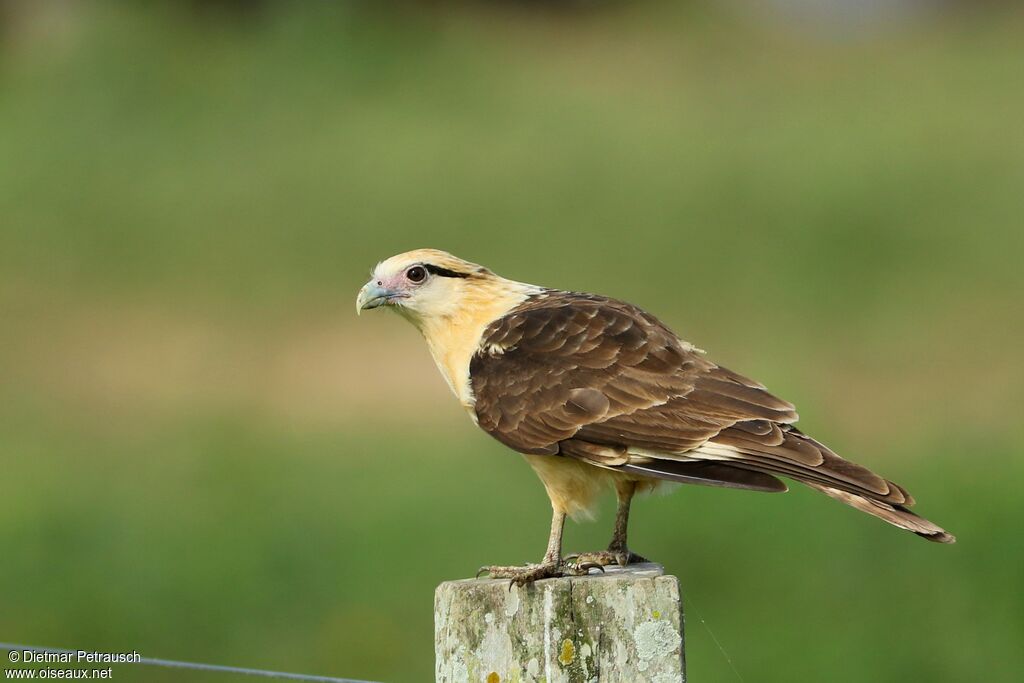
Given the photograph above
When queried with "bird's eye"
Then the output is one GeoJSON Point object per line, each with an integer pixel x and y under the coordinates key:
{"type": "Point", "coordinates": [416, 274]}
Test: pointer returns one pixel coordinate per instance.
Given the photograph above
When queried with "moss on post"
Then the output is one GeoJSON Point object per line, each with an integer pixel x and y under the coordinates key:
{"type": "Point", "coordinates": [623, 626]}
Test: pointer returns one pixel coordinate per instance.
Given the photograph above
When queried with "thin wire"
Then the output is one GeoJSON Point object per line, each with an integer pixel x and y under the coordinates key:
{"type": "Point", "coordinates": [172, 664]}
{"type": "Point", "coordinates": [688, 597]}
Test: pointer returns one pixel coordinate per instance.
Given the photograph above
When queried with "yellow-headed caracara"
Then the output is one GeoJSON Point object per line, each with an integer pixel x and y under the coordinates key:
{"type": "Point", "coordinates": [597, 393]}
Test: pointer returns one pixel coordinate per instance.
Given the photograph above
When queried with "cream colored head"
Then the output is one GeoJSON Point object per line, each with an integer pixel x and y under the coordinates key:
{"type": "Point", "coordinates": [449, 300]}
{"type": "Point", "coordinates": [424, 284]}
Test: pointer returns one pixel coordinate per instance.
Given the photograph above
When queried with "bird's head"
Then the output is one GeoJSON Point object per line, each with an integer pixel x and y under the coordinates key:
{"type": "Point", "coordinates": [423, 284]}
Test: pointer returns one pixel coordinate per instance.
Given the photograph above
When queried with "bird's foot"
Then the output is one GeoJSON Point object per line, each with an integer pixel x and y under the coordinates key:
{"type": "Point", "coordinates": [603, 558]}
{"type": "Point", "coordinates": [522, 575]}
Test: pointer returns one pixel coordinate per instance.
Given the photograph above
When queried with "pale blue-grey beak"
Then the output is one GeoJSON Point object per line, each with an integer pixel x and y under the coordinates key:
{"type": "Point", "coordinates": [372, 295]}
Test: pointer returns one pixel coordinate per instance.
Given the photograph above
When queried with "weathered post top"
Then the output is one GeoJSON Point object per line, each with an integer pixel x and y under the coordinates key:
{"type": "Point", "coordinates": [623, 626]}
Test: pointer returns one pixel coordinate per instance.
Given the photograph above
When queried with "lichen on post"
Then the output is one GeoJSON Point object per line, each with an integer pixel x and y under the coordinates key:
{"type": "Point", "coordinates": [623, 626]}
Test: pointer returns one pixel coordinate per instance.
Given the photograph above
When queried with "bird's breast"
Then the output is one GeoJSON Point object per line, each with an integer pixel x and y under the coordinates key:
{"type": "Point", "coordinates": [454, 367]}
{"type": "Point", "coordinates": [454, 339]}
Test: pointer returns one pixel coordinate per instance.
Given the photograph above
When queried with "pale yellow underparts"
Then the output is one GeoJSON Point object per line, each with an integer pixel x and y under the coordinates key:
{"type": "Point", "coordinates": [574, 487]}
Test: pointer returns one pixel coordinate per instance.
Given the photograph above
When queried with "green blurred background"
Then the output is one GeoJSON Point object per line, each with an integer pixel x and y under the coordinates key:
{"type": "Point", "coordinates": [204, 455]}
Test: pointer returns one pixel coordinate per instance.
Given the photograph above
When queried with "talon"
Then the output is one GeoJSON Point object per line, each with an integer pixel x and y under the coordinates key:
{"type": "Point", "coordinates": [482, 570]}
{"type": "Point", "coordinates": [522, 575]}
{"type": "Point", "coordinates": [522, 580]}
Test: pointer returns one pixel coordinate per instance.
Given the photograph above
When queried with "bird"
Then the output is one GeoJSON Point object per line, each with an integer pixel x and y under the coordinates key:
{"type": "Point", "coordinates": [598, 394]}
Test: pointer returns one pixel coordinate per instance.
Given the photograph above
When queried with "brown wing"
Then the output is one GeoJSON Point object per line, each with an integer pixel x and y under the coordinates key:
{"type": "Point", "coordinates": [600, 380]}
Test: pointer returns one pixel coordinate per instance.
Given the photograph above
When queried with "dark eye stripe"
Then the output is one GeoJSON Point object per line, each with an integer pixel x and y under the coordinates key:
{"type": "Point", "coordinates": [444, 272]}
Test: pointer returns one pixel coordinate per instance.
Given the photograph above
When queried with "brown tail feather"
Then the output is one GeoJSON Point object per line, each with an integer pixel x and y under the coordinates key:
{"type": "Point", "coordinates": [701, 472]}
{"type": "Point", "coordinates": [708, 474]}
{"type": "Point", "coordinates": [755, 465]}
{"type": "Point", "coordinates": [893, 514]}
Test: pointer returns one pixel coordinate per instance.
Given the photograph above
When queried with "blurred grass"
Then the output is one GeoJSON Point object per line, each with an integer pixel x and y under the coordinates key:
{"type": "Point", "coordinates": [228, 542]}
{"type": "Point", "coordinates": [839, 219]}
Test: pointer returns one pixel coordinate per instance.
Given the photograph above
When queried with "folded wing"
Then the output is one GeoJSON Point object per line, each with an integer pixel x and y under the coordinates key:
{"type": "Point", "coordinates": [599, 380]}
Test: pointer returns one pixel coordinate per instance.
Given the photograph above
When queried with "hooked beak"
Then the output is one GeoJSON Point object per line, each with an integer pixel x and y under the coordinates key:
{"type": "Point", "coordinates": [373, 295]}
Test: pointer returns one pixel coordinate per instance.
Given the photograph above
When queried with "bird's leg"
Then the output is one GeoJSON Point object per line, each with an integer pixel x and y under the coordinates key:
{"type": "Point", "coordinates": [618, 552]}
{"type": "Point", "coordinates": [624, 491]}
{"type": "Point", "coordinates": [552, 564]}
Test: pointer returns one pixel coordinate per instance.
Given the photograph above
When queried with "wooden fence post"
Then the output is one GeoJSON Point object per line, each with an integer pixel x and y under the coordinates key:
{"type": "Point", "coordinates": [624, 626]}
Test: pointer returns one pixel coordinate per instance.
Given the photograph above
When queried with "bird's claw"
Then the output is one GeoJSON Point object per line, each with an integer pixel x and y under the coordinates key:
{"type": "Point", "coordinates": [522, 575]}
{"type": "Point", "coordinates": [583, 568]}
{"type": "Point", "coordinates": [604, 558]}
